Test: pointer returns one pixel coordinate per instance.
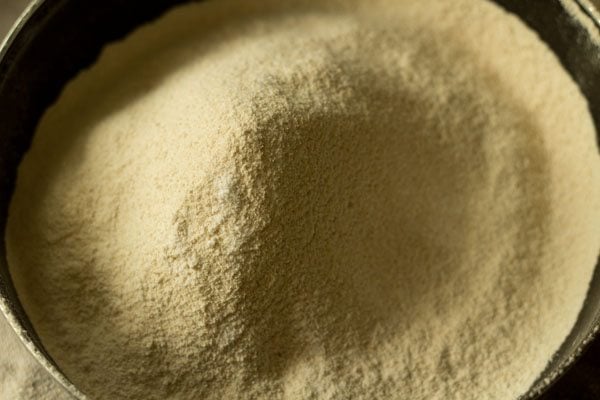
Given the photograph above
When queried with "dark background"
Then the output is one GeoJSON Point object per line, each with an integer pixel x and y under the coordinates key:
{"type": "Point", "coordinates": [582, 381]}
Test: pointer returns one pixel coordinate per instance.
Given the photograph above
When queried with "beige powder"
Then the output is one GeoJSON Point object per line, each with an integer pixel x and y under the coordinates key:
{"type": "Point", "coordinates": [21, 376]}
{"type": "Point", "coordinates": [311, 200]}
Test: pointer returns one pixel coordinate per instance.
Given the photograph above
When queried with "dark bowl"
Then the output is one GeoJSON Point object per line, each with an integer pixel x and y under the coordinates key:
{"type": "Point", "coordinates": [55, 39]}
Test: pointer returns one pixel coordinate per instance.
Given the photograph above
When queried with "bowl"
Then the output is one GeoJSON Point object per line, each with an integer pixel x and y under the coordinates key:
{"type": "Point", "coordinates": [55, 39]}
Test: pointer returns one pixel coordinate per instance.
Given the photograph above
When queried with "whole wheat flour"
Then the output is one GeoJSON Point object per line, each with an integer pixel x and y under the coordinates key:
{"type": "Point", "coordinates": [311, 200]}
{"type": "Point", "coordinates": [21, 377]}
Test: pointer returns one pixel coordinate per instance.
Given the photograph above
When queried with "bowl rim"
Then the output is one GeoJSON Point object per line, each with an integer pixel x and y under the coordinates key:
{"type": "Point", "coordinates": [15, 38]}
{"type": "Point", "coordinates": [11, 39]}
{"type": "Point", "coordinates": [591, 10]}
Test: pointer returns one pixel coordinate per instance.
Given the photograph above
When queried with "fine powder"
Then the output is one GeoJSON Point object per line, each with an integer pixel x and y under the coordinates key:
{"type": "Point", "coordinates": [383, 199]}
{"type": "Point", "coordinates": [21, 376]}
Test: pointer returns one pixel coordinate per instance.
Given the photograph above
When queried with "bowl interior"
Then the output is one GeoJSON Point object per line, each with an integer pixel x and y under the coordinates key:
{"type": "Point", "coordinates": [57, 38]}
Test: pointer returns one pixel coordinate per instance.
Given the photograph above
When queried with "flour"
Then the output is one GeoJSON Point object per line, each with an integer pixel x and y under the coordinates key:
{"type": "Point", "coordinates": [388, 199]}
{"type": "Point", "coordinates": [21, 376]}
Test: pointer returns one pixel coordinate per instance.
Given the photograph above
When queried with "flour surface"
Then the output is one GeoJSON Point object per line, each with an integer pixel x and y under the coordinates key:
{"type": "Point", "coordinates": [21, 376]}
{"type": "Point", "coordinates": [311, 200]}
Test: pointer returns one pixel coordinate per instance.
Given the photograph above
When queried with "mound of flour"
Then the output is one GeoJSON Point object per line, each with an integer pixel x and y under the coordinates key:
{"type": "Point", "coordinates": [390, 199]}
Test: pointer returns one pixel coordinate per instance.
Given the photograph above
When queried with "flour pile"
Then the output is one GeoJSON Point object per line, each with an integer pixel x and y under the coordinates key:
{"type": "Point", "coordinates": [390, 199]}
{"type": "Point", "coordinates": [21, 376]}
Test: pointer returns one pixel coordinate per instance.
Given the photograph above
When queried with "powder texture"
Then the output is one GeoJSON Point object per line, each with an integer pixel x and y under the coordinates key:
{"type": "Point", "coordinates": [311, 200]}
{"type": "Point", "coordinates": [21, 376]}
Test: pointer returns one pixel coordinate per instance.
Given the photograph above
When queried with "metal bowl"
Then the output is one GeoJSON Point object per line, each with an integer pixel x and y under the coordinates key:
{"type": "Point", "coordinates": [55, 39]}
